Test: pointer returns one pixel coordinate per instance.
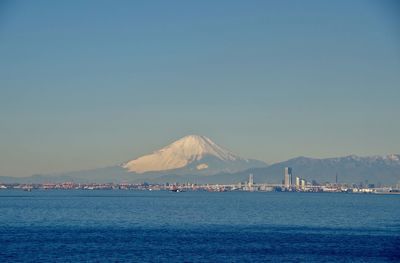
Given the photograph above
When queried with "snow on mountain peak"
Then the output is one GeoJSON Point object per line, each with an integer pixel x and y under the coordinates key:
{"type": "Point", "coordinates": [197, 146]}
{"type": "Point", "coordinates": [179, 154]}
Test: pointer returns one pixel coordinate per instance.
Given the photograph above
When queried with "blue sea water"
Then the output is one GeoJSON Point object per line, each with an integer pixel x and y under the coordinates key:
{"type": "Point", "coordinates": [158, 226]}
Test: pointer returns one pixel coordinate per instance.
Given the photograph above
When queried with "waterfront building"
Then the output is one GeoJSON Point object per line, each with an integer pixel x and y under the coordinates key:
{"type": "Point", "coordinates": [303, 184]}
{"type": "Point", "coordinates": [297, 182]}
{"type": "Point", "coordinates": [288, 177]}
{"type": "Point", "coordinates": [251, 181]}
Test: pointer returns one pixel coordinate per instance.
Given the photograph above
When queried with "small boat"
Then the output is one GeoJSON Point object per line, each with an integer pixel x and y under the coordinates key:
{"type": "Point", "coordinates": [177, 190]}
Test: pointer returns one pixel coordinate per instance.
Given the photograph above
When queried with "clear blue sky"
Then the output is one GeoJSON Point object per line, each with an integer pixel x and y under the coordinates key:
{"type": "Point", "coordinates": [86, 84]}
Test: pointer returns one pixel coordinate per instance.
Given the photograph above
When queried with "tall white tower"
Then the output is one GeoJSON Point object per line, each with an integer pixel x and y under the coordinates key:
{"type": "Point", "coordinates": [297, 182]}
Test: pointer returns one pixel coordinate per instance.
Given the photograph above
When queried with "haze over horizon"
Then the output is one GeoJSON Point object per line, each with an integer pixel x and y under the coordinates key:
{"type": "Point", "coordinates": [91, 84]}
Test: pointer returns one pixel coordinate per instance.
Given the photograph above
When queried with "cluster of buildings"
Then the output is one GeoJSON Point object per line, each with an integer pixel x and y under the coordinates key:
{"type": "Point", "coordinates": [290, 183]}
{"type": "Point", "coordinates": [297, 184]}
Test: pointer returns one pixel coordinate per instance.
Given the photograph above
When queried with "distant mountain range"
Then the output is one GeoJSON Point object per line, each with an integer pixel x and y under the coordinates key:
{"type": "Point", "coordinates": [348, 169]}
{"type": "Point", "coordinates": [197, 159]}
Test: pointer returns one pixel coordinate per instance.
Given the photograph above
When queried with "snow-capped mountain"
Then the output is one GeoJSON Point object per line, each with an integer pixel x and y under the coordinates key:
{"type": "Point", "coordinates": [191, 154]}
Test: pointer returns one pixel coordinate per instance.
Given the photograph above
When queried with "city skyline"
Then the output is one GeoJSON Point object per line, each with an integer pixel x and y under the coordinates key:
{"type": "Point", "coordinates": [90, 84]}
{"type": "Point", "coordinates": [199, 131]}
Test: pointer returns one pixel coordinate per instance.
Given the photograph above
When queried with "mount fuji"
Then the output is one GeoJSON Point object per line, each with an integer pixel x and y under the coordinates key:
{"type": "Point", "coordinates": [193, 154]}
